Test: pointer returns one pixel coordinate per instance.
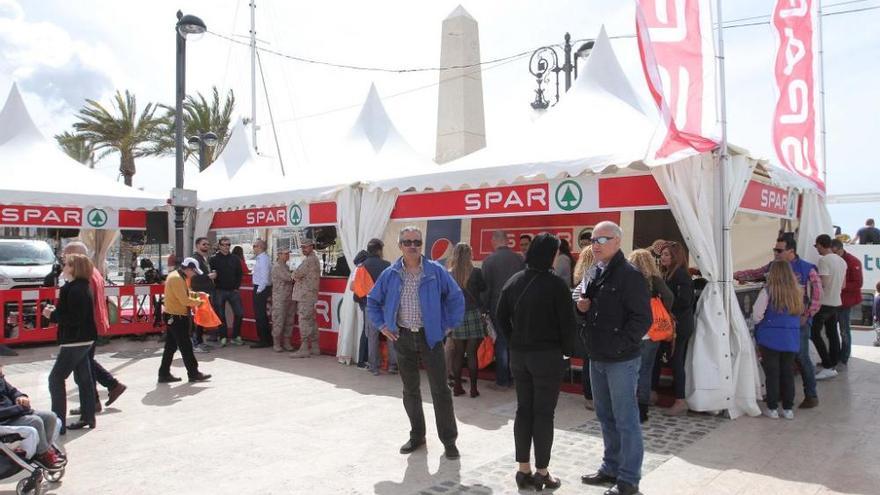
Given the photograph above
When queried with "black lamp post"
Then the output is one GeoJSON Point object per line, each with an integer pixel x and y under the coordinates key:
{"type": "Point", "coordinates": [203, 141]}
{"type": "Point", "coordinates": [186, 25]}
{"type": "Point", "coordinates": [545, 60]}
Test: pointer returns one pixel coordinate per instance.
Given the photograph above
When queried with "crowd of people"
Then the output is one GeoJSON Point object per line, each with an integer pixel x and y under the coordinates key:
{"type": "Point", "coordinates": [618, 313]}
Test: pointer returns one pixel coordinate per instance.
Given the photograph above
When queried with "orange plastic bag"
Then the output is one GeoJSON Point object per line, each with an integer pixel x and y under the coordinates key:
{"type": "Point", "coordinates": [204, 316]}
{"type": "Point", "coordinates": [485, 353]}
{"type": "Point", "coordinates": [663, 327]}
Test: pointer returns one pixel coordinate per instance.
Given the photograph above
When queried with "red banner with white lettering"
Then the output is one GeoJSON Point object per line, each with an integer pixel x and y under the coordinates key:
{"type": "Point", "coordinates": [677, 50]}
{"type": "Point", "coordinates": [768, 200]}
{"type": "Point", "coordinates": [794, 121]}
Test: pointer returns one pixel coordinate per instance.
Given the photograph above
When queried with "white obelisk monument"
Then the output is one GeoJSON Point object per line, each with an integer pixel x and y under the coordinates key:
{"type": "Point", "coordinates": [461, 127]}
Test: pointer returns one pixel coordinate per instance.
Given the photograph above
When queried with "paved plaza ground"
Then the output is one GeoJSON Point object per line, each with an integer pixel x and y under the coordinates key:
{"type": "Point", "coordinates": [270, 424]}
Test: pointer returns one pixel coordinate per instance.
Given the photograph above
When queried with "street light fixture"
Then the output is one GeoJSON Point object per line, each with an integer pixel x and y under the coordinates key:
{"type": "Point", "coordinates": [187, 25]}
{"type": "Point", "coordinates": [202, 142]}
{"type": "Point", "coordinates": [545, 60]}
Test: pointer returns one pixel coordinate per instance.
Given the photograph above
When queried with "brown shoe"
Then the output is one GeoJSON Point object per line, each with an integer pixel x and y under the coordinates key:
{"type": "Point", "coordinates": [114, 393]}
{"type": "Point", "coordinates": [809, 403]}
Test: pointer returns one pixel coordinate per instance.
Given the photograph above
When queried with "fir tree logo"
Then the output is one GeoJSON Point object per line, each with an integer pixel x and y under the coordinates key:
{"type": "Point", "coordinates": [296, 215]}
{"type": "Point", "coordinates": [569, 195]}
{"type": "Point", "coordinates": [97, 218]}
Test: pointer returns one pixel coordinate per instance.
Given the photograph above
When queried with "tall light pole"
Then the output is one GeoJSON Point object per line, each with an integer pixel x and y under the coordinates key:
{"type": "Point", "coordinates": [186, 25]}
{"type": "Point", "coordinates": [203, 141]}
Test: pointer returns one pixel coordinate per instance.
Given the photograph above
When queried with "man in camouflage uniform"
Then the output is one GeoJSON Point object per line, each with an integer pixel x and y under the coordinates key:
{"type": "Point", "coordinates": [307, 277]}
{"type": "Point", "coordinates": [282, 304]}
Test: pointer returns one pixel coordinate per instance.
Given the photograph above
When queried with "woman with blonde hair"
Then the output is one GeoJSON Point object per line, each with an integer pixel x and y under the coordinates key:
{"type": "Point", "coordinates": [643, 260]}
{"type": "Point", "coordinates": [776, 314]}
{"type": "Point", "coordinates": [470, 333]}
{"type": "Point", "coordinates": [76, 334]}
{"type": "Point", "coordinates": [581, 269]}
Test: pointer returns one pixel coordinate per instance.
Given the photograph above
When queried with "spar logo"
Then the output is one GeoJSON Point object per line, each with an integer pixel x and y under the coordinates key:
{"type": "Point", "coordinates": [97, 218]}
{"type": "Point", "coordinates": [296, 215]}
{"type": "Point", "coordinates": [568, 195]}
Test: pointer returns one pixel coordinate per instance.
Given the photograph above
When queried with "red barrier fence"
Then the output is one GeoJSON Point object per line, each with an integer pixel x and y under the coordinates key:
{"type": "Point", "coordinates": [133, 310]}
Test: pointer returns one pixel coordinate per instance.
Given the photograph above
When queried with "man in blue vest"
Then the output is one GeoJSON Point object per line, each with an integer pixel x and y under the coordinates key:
{"type": "Point", "coordinates": [808, 278]}
{"type": "Point", "coordinates": [414, 303]}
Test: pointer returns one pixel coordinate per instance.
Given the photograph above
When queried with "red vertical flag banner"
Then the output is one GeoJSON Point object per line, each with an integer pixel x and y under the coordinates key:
{"type": "Point", "coordinates": [677, 50]}
{"type": "Point", "coordinates": [794, 121]}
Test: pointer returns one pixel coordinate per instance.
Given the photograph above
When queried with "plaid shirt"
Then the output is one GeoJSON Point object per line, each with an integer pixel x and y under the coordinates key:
{"type": "Point", "coordinates": [410, 313]}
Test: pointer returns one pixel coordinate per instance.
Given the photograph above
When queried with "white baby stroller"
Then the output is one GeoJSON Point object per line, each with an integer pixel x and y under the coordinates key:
{"type": "Point", "coordinates": [18, 445]}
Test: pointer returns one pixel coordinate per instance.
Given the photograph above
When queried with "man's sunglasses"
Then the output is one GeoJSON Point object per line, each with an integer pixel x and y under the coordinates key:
{"type": "Point", "coordinates": [778, 251]}
{"type": "Point", "coordinates": [601, 240]}
{"type": "Point", "coordinates": [411, 242]}
{"type": "Point", "coordinates": [224, 244]}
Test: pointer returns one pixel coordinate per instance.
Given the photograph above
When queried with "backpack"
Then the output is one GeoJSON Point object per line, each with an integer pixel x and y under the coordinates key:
{"type": "Point", "coordinates": [362, 283]}
{"type": "Point", "coordinates": [663, 327]}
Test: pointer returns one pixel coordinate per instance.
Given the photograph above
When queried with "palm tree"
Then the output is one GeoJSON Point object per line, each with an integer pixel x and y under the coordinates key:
{"type": "Point", "coordinates": [199, 116]}
{"type": "Point", "coordinates": [77, 147]}
{"type": "Point", "coordinates": [123, 131]}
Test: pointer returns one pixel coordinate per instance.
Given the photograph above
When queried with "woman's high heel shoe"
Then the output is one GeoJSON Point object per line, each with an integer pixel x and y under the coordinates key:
{"type": "Point", "coordinates": [524, 480]}
{"type": "Point", "coordinates": [545, 482]}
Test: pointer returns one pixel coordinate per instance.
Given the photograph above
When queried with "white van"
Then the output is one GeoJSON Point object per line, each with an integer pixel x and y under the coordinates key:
{"type": "Point", "coordinates": [24, 263]}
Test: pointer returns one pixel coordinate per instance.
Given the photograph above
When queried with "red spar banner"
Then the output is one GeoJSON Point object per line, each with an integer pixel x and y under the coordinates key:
{"type": "Point", "coordinates": [676, 46]}
{"type": "Point", "coordinates": [794, 121]}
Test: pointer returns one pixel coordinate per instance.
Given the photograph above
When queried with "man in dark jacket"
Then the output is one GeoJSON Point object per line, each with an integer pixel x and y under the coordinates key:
{"type": "Point", "coordinates": [850, 296]}
{"type": "Point", "coordinates": [497, 270]}
{"type": "Point", "coordinates": [227, 282]}
{"type": "Point", "coordinates": [617, 306]}
{"type": "Point", "coordinates": [202, 283]}
{"type": "Point", "coordinates": [375, 265]}
{"type": "Point", "coordinates": [15, 410]}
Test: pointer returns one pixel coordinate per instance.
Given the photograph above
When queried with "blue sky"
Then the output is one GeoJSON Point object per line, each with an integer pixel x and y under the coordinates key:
{"type": "Point", "coordinates": [63, 52]}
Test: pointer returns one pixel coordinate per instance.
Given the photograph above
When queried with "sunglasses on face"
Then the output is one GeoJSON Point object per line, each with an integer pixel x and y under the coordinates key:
{"type": "Point", "coordinates": [601, 240]}
{"type": "Point", "coordinates": [778, 251]}
{"type": "Point", "coordinates": [224, 244]}
{"type": "Point", "coordinates": [411, 242]}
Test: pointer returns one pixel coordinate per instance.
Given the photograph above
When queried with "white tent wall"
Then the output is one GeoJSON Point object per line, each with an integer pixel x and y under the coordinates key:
{"type": "Point", "coordinates": [752, 236]}
{"type": "Point", "coordinates": [814, 221]}
{"type": "Point", "coordinates": [99, 242]}
{"type": "Point", "coordinates": [361, 215]}
{"type": "Point", "coordinates": [721, 368]}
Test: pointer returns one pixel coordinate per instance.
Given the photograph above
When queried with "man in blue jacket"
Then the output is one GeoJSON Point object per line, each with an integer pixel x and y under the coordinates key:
{"type": "Point", "coordinates": [414, 303]}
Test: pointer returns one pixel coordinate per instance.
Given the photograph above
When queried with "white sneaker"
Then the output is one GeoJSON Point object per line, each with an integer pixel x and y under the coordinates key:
{"type": "Point", "coordinates": [787, 414]}
{"type": "Point", "coordinates": [772, 413]}
{"type": "Point", "coordinates": [825, 374]}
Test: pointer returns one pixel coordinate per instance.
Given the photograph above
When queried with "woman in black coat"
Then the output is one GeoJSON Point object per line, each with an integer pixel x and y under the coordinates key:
{"type": "Point", "coordinates": [76, 334]}
{"type": "Point", "coordinates": [674, 265]}
{"type": "Point", "coordinates": [536, 314]}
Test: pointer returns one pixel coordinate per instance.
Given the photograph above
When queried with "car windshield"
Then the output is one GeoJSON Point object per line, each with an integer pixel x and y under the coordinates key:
{"type": "Point", "coordinates": [26, 254]}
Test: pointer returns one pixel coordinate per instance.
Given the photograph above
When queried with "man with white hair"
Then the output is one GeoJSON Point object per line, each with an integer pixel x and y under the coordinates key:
{"type": "Point", "coordinates": [102, 322]}
{"type": "Point", "coordinates": [262, 290]}
{"type": "Point", "coordinates": [616, 303]}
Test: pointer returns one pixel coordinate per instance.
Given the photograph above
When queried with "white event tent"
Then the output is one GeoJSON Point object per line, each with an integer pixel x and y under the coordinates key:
{"type": "Point", "coordinates": [36, 173]}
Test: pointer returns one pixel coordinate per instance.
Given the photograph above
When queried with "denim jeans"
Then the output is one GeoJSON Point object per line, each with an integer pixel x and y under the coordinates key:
{"type": "Point", "coordinates": [614, 395]}
{"type": "Point", "coordinates": [364, 344]}
{"type": "Point", "coordinates": [502, 359]}
{"type": "Point", "coordinates": [843, 318]}
{"type": "Point", "coordinates": [234, 299]}
{"type": "Point", "coordinates": [808, 371]}
{"type": "Point", "coordinates": [649, 353]}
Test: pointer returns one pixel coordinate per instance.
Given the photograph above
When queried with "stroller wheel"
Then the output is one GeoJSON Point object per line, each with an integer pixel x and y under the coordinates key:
{"type": "Point", "coordinates": [55, 475]}
{"type": "Point", "coordinates": [32, 485]}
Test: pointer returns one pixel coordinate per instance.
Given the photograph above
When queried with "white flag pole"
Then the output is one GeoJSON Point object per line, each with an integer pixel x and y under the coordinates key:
{"type": "Point", "coordinates": [822, 96]}
{"type": "Point", "coordinates": [723, 164]}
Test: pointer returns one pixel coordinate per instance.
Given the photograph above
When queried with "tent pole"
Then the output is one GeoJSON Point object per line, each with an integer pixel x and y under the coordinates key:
{"type": "Point", "coordinates": [822, 96]}
{"type": "Point", "coordinates": [253, 6]}
{"type": "Point", "coordinates": [721, 170]}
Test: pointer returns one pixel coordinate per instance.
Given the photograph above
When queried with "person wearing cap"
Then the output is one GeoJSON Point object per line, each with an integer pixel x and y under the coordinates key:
{"type": "Point", "coordinates": [282, 304]}
{"type": "Point", "coordinates": [178, 301]}
{"type": "Point", "coordinates": [307, 278]}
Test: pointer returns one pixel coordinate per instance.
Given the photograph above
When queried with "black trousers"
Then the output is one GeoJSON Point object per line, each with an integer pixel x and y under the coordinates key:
{"type": "Point", "coordinates": [679, 376]}
{"type": "Point", "coordinates": [73, 360]}
{"type": "Point", "coordinates": [409, 346]}
{"type": "Point", "coordinates": [178, 338]}
{"type": "Point", "coordinates": [779, 373]}
{"type": "Point", "coordinates": [261, 301]}
{"type": "Point", "coordinates": [538, 377]}
{"type": "Point", "coordinates": [827, 318]}
{"type": "Point", "coordinates": [99, 373]}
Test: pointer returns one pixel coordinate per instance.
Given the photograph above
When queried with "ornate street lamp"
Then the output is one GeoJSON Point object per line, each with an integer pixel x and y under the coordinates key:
{"type": "Point", "coordinates": [545, 61]}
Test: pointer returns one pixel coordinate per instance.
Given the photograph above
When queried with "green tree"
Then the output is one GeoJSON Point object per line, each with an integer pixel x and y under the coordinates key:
{"type": "Point", "coordinates": [200, 115]}
{"type": "Point", "coordinates": [77, 147]}
{"type": "Point", "coordinates": [119, 130]}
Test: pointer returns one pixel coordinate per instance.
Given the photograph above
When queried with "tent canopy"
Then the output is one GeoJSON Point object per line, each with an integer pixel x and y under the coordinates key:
{"type": "Point", "coordinates": [36, 172]}
{"type": "Point", "coordinates": [371, 149]}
